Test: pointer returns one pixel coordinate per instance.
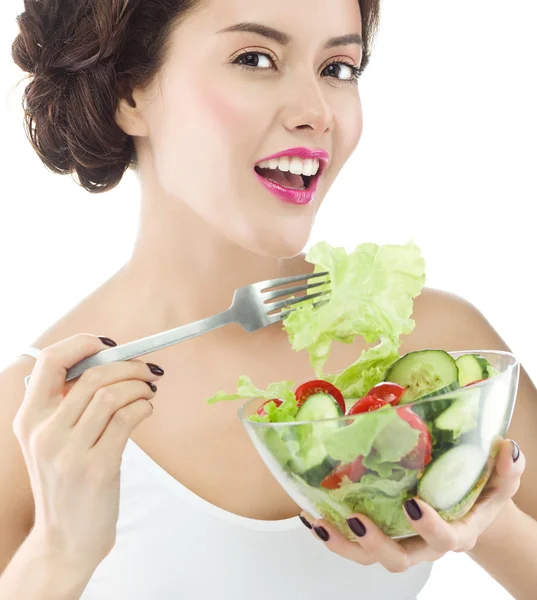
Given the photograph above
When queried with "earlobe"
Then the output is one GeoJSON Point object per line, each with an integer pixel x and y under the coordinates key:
{"type": "Point", "coordinates": [129, 119]}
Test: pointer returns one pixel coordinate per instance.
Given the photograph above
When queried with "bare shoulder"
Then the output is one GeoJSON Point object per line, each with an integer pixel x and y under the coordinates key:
{"type": "Point", "coordinates": [448, 321]}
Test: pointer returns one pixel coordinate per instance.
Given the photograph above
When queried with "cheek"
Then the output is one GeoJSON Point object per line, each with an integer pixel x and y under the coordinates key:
{"type": "Point", "coordinates": [228, 111]}
{"type": "Point", "coordinates": [354, 126]}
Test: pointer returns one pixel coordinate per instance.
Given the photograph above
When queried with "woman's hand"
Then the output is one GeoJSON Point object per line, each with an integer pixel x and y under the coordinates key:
{"type": "Point", "coordinates": [72, 436]}
{"type": "Point", "coordinates": [436, 537]}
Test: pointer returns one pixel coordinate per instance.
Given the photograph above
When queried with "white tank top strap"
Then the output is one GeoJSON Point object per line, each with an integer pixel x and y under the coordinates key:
{"type": "Point", "coordinates": [31, 351]}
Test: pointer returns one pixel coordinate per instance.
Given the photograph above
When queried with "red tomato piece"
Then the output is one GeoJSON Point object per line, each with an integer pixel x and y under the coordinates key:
{"type": "Point", "coordinates": [420, 456]}
{"type": "Point", "coordinates": [261, 410]}
{"type": "Point", "coordinates": [387, 391]}
{"type": "Point", "coordinates": [366, 404]}
{"type": "Point", "coordinates": [472, 382]}
{"type": "Point", "coordinates": [354, 471]}
{"type": "Point", "coordinates": [318, 386]}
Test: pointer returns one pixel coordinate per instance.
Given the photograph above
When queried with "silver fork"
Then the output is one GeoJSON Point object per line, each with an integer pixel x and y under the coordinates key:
{"type": "Point", "coordinates": [249, 309]}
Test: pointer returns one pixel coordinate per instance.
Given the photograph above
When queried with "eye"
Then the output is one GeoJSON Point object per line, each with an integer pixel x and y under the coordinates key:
{"type": "Point", "coordinates": [250, 60]}
{"type": "Point", "coordinates": [351, 73]}
{"type": "Point", "coordinates": [261, 61]}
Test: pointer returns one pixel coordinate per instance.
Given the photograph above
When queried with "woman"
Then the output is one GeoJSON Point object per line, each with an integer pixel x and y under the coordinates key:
{"type": "Point", "coordinates": [194, 94]}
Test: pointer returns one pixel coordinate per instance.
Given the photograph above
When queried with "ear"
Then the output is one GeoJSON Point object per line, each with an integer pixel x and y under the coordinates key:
{"type": "Point", "coordinates": [129, 115]}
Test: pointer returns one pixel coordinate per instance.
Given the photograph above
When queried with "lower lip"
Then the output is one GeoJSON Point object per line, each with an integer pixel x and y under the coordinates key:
{"type": "Point", "coordinates": [289, 195]}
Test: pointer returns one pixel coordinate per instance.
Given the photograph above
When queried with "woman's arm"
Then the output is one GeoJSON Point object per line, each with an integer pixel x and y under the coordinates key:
{"type": "Point", "coordinates": [506, 550]}
{"type": "Point", "coordinates": [37, 573]}
{"type": "Point", "coordinates": [27, 568]}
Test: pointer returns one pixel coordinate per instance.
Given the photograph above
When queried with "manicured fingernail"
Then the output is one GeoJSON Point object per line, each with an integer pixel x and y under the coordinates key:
{"type": "Point", "coordinates": [306, 522]}
{"type": "Point", "coordinates": [322, 533]}
{"type": "Point", "coordinates": [152, 386]}
{"type": "Point", "coordinates": [357, 526]}
{"type": "Point", "coordinates": [413, 510]}
{"type": "Point", "coordinates": [516, 451]}
{"type": "Point", "coordinates": [155, 369]}
{"type": "Point", "coordinates": [107, 341]}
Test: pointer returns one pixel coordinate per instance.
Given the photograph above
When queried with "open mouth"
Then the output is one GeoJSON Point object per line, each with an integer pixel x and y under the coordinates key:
{"type": "Point", "coordinates": [286, 178]}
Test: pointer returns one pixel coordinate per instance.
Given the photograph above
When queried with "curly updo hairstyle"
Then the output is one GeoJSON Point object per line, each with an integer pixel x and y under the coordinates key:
{"type": "Point", "coordinates": [83, 56]}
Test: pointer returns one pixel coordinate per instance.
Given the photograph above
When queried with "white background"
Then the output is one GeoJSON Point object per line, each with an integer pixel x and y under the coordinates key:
{"type": "Point", "coordinates": [448, 157]}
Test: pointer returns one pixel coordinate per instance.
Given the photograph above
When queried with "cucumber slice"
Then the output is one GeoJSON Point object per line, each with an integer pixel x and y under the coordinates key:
{"type": "Point", "coordinates": [494, 412]}
{"type": "Point", "coordinates": [462, 415]}
{"type": "Point", "coordinates": [472, 367]}
{"type": "Point", "coordinates": [311, 460]}
{"type": "Point", "coordinates": [319, 406]}
{"type": "Point", "coordinates": [316, 474]}
{"type": "Point", "coordinates": [451, 476]}
{"type": "Point", "coordinates": [422, 373]}
{"type": "Point", "coordinates": [492, 372]}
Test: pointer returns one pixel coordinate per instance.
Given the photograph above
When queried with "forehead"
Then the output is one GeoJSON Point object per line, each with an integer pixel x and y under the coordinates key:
{"type": "Point", "coordinates": [305, 21]}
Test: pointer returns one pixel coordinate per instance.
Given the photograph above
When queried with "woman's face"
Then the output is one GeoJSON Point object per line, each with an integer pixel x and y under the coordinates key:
{"type": "Point", "coordinates": [228, 99]}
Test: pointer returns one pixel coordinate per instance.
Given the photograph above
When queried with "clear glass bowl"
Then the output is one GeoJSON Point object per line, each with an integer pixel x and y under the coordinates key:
{"type": "Point", "coordinates": [455, 485]}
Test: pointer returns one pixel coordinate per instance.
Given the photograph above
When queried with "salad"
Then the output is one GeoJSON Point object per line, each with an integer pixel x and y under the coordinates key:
{"type": "Point", "coordinates": [386, 451]}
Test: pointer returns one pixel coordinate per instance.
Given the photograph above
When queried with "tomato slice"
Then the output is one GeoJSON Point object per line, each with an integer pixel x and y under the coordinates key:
{"type": "Point", "coordinates": [387, 391]}
{"type": "Point", "coordinates": [472, 382]}
{"type": "Point", "coordinates": [318, 386]}
{"type": "Point", "coordinates": [354, 471]}
{"type": "Point", "coordinates": [261, 410]}
{"type": "Point", "coordinates": [366, 404]}
{"type": "Point", "coordinates": [420, 456]}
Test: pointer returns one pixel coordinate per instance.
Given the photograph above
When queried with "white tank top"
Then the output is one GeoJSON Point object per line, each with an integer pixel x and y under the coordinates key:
{"type": "Point", "coordinates": [173, 545]}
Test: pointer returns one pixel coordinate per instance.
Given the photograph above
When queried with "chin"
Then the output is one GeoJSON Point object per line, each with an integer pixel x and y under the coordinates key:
{"type": "Point", "coordinates": [285, 243]}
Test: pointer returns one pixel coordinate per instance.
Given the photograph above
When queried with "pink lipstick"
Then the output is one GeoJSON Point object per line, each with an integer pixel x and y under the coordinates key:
{"type": "Point", "coordinates": [288, 194]}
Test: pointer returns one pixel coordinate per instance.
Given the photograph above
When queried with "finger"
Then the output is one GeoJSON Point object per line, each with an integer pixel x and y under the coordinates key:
{"type": "Point", "coordinates": [438, 534]}
{"type": "Point", "coordinates": [335, 541]}
{"type": "Point", "coordinates": [47, 380]}
{"type": "Point", "coordinates": [104, 404]}
{"type": "Point", "coordinates": [395, 556]}
{"type": "Point", "coordinates": [112, 442]}
{"type": "Point", "coordinates": [87, 385]}
{"type": "Point", "coordinates": [505, 478]}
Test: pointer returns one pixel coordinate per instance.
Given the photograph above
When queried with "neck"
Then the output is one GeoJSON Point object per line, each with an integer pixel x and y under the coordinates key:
{"type": "Point", "coordinates": [184, 269]}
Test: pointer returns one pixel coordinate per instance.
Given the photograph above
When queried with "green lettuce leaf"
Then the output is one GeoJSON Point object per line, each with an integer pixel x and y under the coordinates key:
{"type": "Point", "coordinates": [380, 499]}
{"type": "Point", "coordinates": [380, 432]}
{"type": "Point", "coordinates": [282, 390]}
{"type": "Point", "coordinates": [356, 380]}
{"type": "Point", "coordinates": [355, 439]}
{"type": "Point", "coordinates": [372, 291]}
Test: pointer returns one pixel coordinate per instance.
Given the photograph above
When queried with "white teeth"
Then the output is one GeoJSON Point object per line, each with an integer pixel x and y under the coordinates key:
{"type": "Point", "coordinates": [309, 167]}
{"type": "Point", "coordinates": [284, 163]}
{"type": "Point", "coordinates": [296, 165]}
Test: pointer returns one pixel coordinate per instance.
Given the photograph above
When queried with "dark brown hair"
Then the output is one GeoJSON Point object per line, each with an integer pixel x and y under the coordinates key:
{"type": "Point", "coordinates": [84, 55]}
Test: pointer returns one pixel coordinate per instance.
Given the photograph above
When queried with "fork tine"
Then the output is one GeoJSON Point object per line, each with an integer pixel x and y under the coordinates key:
{"type": "Point", "coordinates": [283, 314]}
{"type": "Point", "coordinates": [285, 292]}
{"type": "Point", "coordinates": [270, 283]}
{"type": "Point", "coordinates": [290, 302]}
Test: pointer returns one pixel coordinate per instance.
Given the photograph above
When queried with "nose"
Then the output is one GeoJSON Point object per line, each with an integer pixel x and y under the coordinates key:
{"type": "Point", "coordinates": [308, 109]}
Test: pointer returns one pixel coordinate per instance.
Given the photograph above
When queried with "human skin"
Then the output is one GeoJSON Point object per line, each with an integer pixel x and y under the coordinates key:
{"type": "Point", "coordinates": [203, 124]}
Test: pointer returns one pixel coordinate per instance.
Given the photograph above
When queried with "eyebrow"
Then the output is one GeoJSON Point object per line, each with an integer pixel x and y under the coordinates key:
{"type": "Point", "coordinates": [284, 38]}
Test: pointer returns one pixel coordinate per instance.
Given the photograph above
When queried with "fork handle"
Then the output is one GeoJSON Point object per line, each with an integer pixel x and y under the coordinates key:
{"type": "Point", "coordinates": [148, 344]}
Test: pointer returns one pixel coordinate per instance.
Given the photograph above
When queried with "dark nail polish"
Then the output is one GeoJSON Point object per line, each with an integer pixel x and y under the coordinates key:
{"type": "Point", "coordinates": [155, 369]}
{"type": "Point", "coordinates": [413, 510]}
{"type": "Point", "coordinates": [305, 521]}
{"type": "Point", "coordinates": [357, 526]}
{"type": "Point", "coordinates": [152, 386]}
{"type": "Point", "coordinates": [322, 533]}
{"type": "Point", "coordinates": [516, 451]}
{"type": "Point", "coordinates": [107, 341]}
